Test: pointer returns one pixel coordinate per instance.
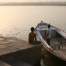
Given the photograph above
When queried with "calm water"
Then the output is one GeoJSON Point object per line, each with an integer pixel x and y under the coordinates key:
{"type": "Point", "coordinates": [16, 21]}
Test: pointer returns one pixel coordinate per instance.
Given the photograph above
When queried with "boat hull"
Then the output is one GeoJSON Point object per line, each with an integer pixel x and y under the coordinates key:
{"type": "Point", "coordinates": [49, 50]}
{"type": "Point", "coordinates": [56, 58]}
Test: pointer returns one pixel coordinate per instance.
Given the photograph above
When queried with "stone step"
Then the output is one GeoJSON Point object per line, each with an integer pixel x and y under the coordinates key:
{"type": "Point", "coordinates": [20, 63]}
{"type": "Point", "coordinates": [2, 63]}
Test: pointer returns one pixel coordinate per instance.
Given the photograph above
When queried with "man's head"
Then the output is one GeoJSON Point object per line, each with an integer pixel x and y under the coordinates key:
{"type": "Point", "coordinates": [48, 25]}
{"type": "Point", "coordinates": [32, 29]}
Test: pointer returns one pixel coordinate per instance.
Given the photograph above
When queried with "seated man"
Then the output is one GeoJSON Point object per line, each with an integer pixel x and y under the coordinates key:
{"type": "Point", "coordinates": [32, 37]}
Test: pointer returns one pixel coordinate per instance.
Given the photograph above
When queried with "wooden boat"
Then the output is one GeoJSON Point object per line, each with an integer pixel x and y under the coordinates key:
{"type": "Point", "coordinates": [55, 50]}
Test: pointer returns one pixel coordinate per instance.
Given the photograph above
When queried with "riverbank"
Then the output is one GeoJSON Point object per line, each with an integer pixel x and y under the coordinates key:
{"type": "Point", "coordinates": [13, 50]}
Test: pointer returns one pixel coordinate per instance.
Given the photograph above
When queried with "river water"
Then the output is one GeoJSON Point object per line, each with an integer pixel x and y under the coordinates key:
{"type": "Point", "coordinates": [16, 21]}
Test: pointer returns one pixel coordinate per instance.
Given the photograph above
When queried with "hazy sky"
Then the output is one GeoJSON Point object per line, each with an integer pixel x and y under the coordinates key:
{"type": "Point", "coordinates": [28, 0]}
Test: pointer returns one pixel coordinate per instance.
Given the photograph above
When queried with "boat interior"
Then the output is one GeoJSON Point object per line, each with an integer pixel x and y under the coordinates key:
{"type": "Point", "coordinates": [59, 49]}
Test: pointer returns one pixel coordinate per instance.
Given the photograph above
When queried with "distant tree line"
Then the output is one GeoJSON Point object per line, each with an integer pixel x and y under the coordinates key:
{"type": "Point", "coordinates": [33, 3]}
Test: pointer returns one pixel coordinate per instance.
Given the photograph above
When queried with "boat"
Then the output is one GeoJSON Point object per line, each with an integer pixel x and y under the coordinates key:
{"type": "Point", "coordinates": [55, 50]}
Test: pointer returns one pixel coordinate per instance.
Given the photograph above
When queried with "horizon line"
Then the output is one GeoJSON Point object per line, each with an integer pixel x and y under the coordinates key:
{"type": "Point", "coordinates": [33, 3]}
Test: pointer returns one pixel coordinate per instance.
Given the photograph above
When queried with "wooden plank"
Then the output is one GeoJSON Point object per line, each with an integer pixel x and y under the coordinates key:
{"type": "Point", "coordinates": [62, 53]}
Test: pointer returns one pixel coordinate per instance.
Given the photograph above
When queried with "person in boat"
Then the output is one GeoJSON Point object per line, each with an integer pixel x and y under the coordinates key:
{"type": "Point", "coordinates": [48, 34]}
{"type": "Point", "coordinates": [32, 37]}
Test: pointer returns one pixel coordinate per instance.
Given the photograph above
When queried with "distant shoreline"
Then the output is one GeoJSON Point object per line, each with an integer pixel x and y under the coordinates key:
{"type": "Point", "coordinates": [34, 3]}
{"type": "Point", "coordinates": [29, 5]}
